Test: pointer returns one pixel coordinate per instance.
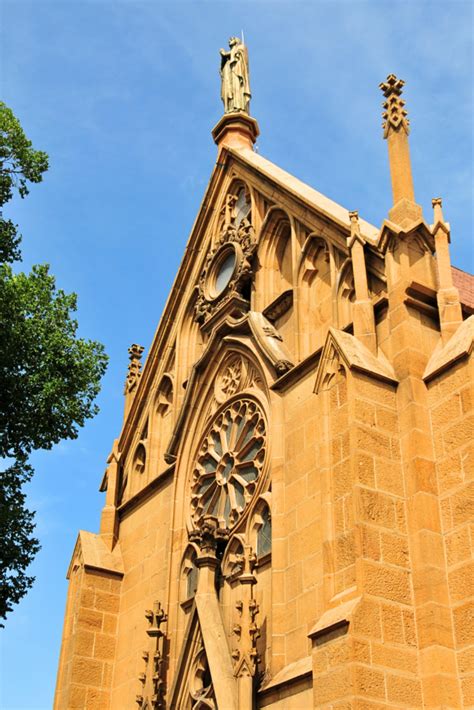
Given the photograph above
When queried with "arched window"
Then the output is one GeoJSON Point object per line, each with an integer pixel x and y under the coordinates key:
{"type": "Point", "coordinates": [189, 572]}
{"type": "Point", "coordinates": [264, 533]}
{"type": "Point", "coordinates": [139, 459]}
{"type": "Point", "coordinates": [345, 295]}
{"type": "Point", "coordinates": [315, 294]}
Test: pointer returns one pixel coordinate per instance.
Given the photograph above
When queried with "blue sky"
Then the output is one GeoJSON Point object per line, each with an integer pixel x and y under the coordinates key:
{"type": "Point", "coordinates": [123, 96]}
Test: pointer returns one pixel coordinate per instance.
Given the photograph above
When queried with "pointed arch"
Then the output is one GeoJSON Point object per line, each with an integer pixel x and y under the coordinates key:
{"type": "Point", "coordinates": [275, 257]}
{"type": "Point", "coordinates": [314, 294]}
{"type": "Point", "coordinates": [345, 294]}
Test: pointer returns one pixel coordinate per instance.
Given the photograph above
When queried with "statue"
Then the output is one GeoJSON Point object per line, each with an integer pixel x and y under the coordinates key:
{"type": "Point", "coordinates": [235, 88]}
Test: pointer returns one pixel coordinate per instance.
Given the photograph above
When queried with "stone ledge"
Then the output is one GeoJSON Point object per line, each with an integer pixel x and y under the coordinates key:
{"type": "Point", "coordinates": [457, 347]}
{"type": "Point", "coordinates": [94, 554]}
{"type": "Point", "coordinates": [291, 673]}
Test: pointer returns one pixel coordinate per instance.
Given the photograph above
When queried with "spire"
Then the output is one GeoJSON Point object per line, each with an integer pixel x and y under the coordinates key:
{"type": "Point", "coordinates": [395, 131]}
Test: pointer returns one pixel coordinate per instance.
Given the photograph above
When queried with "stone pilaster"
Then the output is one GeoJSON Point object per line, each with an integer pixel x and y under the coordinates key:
{"type": "Point", "coordinates": [363, 311]}
{"type": "Point", "coordinates": [450, 314]}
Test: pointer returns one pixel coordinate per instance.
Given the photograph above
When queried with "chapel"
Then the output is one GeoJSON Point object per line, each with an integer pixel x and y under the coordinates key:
{"type": "Point", "coordinates": [288, 505]}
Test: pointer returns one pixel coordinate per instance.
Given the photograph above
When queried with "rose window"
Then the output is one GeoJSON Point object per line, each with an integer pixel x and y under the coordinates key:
{"type": "Point", "coordinates": [229, 463]}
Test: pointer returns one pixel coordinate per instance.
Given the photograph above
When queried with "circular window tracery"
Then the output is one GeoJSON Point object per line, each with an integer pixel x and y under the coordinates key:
{"type": "Point", "coordinates": [229, 463]}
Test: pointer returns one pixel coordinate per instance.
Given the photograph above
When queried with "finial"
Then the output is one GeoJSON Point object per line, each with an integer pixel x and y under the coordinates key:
{"type": "Point", "coordinates": [437, 209]}
{"type": "Point", "coordinates": [394, 115]}
{"type": "Point", "coordinates": [134, 368]}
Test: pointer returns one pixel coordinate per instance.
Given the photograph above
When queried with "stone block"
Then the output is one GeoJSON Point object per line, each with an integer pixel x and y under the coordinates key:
{"type": "Point", "coordinates": [463, 617]}
{"type": "Point", "coordinates": [386, 582]}
{"type": "Point", "coordinates": [467, 686]}
{"type": "Point", "coordinates": [441, 691]}
{"type": "Point", "coordinates": [104, 647]}
{"type": "Point", "coordinates": [461, 582]}
{"type": "Point", "coordinates": [437, 658]}
{"type": "Point", "coordinates": [345, 550]}
{"type": "Point", "coordinates": [409, 629]}
{"type": "Point", "coordinates": [466, 399]}
{"type": "Point", "coordinates": [367, 619]}
{"type": "Point", "coordinates": [365, 469]}
{"type": "Point", "coordinates": [392, 623]}
{"type": "Point", "coordinates": [83, 642]}
{"type": "Point", "coordinates": [459, 434]}
{"type": "Point", "coordinates": [462, 505]}
{"type": "Point", "coordinates": [376, 508]}
{"type": "Point", "coordinates": [97, 699]}
{"type": "Point", "coordinates": [373, 441]}
{"type": "Point", "coordinates": [109, 624]}
{"type": "Point", "coordinates": [77, 697]}
{"type": "Point", "coordinates": [466, 660]}
{"type": "Point", "coordinates": [369, 681]}
{"type": "Point", "coordinates": [86, 671]}
{"type": "Point", "coordinates": [370, 542]}
{"type": "Point", "coordinates": [331, 686]}
{"type": "Point", "coordinates": [387, 419]}
{"type": "Point", "coordinates": [434, 626]}
{"type": "Point", "coordinates": [87, 598]}
{"type": "Point", "coordinates": [445, 413]}
{"type": "Point", "coordinates": [105, 601]}
{"type": "Point", "coordinates": [404, 690]}
{"type": "Point", "coordinates": [425, 512]}
{"type": "Point", "coordinates": [395, 549]}
{"type": "Point", "coordinates": [402, 659]}
{"type": "Point", "coordinates": [89, 619]}
{"type": "Point", "coordinates": [361, 651]}
{"type": "Point", "coordinates": [425, 476]}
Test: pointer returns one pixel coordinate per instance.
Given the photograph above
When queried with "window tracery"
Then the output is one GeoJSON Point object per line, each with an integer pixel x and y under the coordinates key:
{"type": "Point", "coordinates": [264, 533]}
{"type": "Point", "coordinates": [229, 463]}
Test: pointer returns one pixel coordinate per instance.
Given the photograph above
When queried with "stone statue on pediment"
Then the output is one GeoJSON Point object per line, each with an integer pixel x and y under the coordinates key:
{"type": "Point", "coordinates": [235, 87]}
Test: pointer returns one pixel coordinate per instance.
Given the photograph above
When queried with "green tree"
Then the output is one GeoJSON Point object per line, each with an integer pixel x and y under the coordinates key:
{"type": "Point", "coordinates": [49, 377]}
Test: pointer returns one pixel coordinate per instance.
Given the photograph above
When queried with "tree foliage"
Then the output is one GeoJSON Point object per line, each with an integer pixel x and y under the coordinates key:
{"type": "Point", "coordinates": [49, 377]}
{"type": "Point", "coordinates": [19, 165]}
{"type": "Point", "coordinates": [18, 547]}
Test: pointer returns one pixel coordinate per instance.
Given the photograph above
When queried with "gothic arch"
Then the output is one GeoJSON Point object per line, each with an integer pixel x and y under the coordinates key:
{"type": "Point", "coordinates": [189, 573]}
{"type": "Point", "coordinates": [345, 294]}
{"type": "Point", "coordinates": [162, 421]}
{"type": "Point", "coordinates": [314, 294]}
{"type": "Point", "coordinates": [190, 341]}
{"type": "Point", "coordinates": [236, 205]}
{"type": "Point", "coordinates": [275, 257]}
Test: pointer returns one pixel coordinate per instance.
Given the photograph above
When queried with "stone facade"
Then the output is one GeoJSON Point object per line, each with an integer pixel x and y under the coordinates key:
{"type": "Point", "coordinates": [288, 513]}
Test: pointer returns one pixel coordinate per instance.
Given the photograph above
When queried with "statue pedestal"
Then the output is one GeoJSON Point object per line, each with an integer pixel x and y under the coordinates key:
{"type": "Point", "coordinates": [236, 130]}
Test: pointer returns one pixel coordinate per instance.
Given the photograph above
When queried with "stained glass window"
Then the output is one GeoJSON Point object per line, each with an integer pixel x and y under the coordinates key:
{"type": "Point", "coordinates": [224, 273]}
{"type": "Point", "coordinates": [229, 462]}
{"type": "Point", "coordinates": [264, 534]}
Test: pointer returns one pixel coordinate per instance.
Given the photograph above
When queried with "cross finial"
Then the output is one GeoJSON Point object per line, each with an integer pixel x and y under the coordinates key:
{"type": "Point", "coordinates": [395, 116]}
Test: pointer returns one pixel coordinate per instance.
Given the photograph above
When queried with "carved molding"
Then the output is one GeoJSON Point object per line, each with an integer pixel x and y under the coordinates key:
{"type": "Point", "coordinates": [240, 239]}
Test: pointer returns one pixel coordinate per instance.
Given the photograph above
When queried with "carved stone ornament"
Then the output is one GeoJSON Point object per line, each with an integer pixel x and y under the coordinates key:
{"type": "Point", "coordinates": [229, 462]}
{"type": "Point", "coordinates": [200, 683]}
{"type": "Point", "coordinates": [227, 269]}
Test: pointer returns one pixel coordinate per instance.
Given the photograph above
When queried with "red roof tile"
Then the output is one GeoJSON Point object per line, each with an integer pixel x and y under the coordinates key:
{"type": "Point", "coordinates": [464, 282]}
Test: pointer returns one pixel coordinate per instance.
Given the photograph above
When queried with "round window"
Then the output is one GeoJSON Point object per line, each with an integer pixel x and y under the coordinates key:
{"type": "Point", "coordinates": [229, 463]}
{"type": "Point", "coordinates": [223, 272]}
